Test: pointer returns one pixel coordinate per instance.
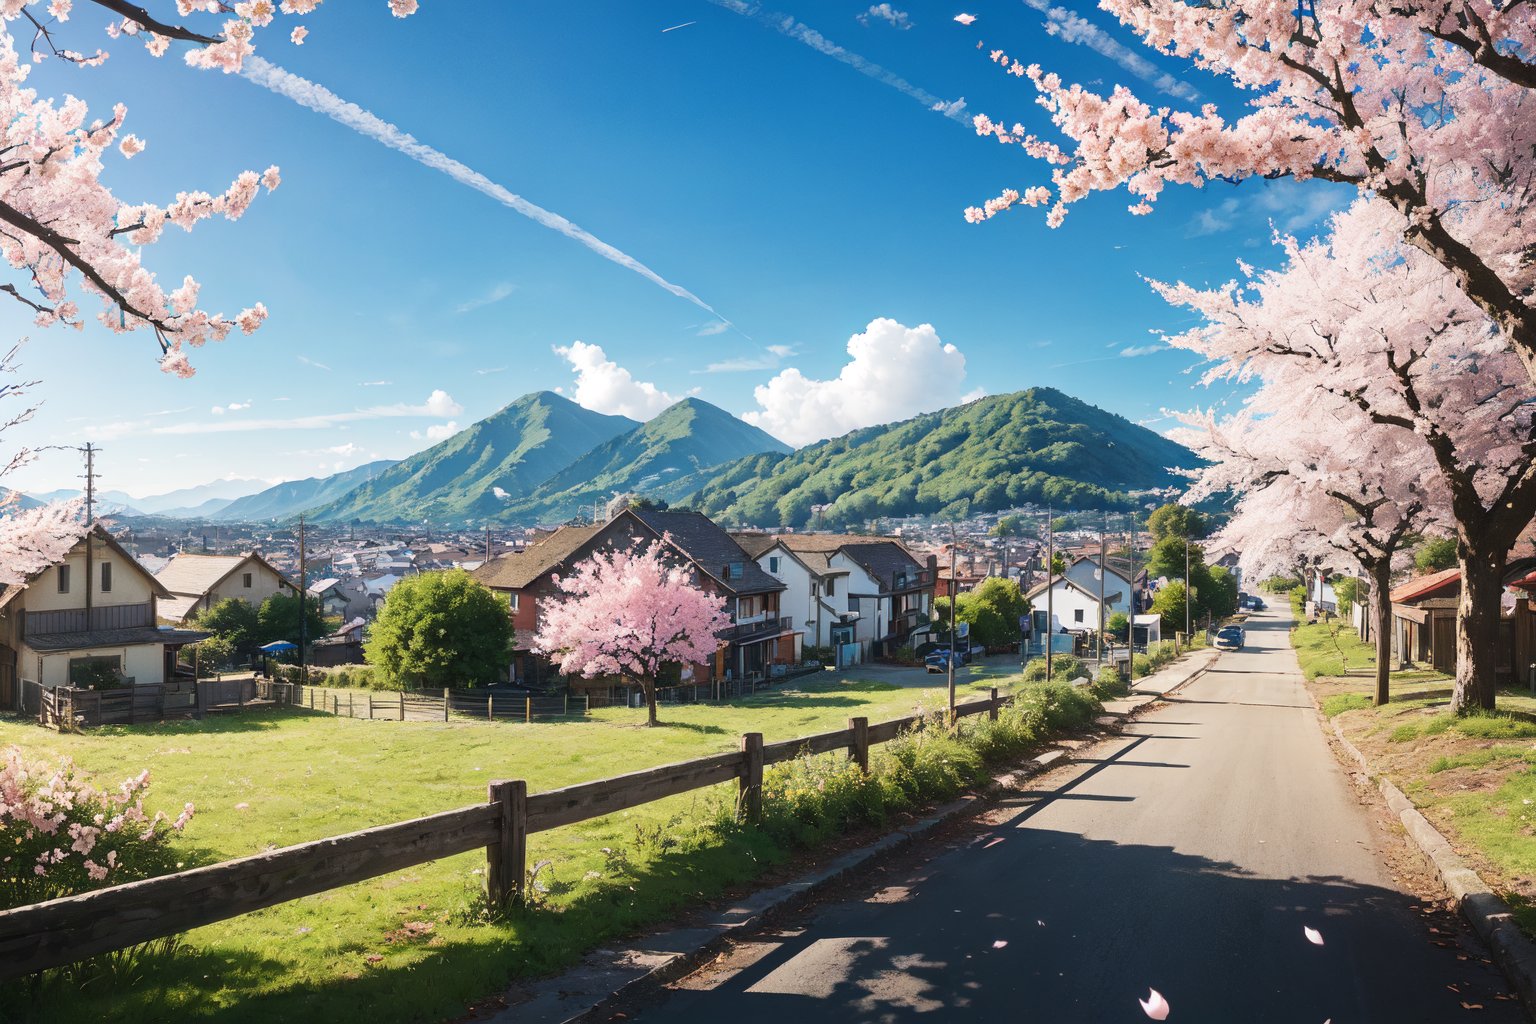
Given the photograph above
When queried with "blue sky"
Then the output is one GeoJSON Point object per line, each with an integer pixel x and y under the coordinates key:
{"type": "Point", "coordinates": [801, 199]}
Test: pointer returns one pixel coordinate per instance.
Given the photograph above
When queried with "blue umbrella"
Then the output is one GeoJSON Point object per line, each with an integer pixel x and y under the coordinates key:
{"type": "Point", "coordinates": [278, 647]}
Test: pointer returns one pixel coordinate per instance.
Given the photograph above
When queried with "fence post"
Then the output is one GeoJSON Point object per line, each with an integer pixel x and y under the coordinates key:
{"type": "Point", "coordinates": [490, 708]}
{"type": "Point", "coordinates": [445, 703]}
{"type": "Point", "coordinates": [992, 711]}
{"type": "Point", "coordinates": [506, 859]}
{"type": "Point", "coordinates": [750, 793]}
{"type": "Point", "coordinates": [566, 710]}
{"type": "Point", "coordinates": [527, 709]}
{"type": "Point", "coordinates": [402, 705]}
{"type": "Point", "coordinates": [351, 700]}
{"type": "Point", "coordinates": [858, 750]}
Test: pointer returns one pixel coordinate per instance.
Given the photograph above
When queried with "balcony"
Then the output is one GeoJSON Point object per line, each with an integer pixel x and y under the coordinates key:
{"type": "Point", "coordinates": [918, 580]}
{"type": "Point", "coordinates": [756, 629]}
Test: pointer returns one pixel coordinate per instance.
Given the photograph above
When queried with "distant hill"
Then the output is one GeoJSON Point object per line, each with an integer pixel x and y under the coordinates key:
{"type": "Point", "coordinates": [680, 443]}
{"type": "Point", "coordinates": [203, 510]}
{"type": "Point", "coordinates": [22, 501]}
{"type": "Point", "coordinates": [185, 500]}
{"type": "Point", "coordinates": [512, 451]}
{"type": "Point", "coordinates": [286, 500]}
{"type": "Point", "coordinates": [1037, 446]}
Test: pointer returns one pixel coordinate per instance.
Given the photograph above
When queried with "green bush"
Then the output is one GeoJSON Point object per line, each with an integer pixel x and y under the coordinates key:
{"type": "Point", "coordinates": [1063, 667]}
{"type": "Point", "coordinates": [1108, 683]}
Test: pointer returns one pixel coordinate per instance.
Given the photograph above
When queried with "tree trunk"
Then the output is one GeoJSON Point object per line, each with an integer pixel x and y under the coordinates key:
{"type": "Point", "coordinates": [649, 686]}
{"type": "Point", "coordinates": [1477, 624]}
{"type": "Point", "coordinates": [1381, 607]}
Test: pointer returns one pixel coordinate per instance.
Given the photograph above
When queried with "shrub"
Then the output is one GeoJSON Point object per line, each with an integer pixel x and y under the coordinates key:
{"type": "Point", "coordinates": [1063, 666]}
{"type": "Point", "coordinates": [62, 836]}
{"type": "Point", "coordinates": [1107, 683]}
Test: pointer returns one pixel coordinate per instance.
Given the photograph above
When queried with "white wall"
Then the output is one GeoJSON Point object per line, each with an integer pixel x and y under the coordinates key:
{"type": "Point", "coordinates": [144, 662]}
{"type": "Point", "coordinates": [874, 615]}
{"type": "Point", "coordinates": [130, 584]}
{"type": "Point", "coordinates": [264, 584]}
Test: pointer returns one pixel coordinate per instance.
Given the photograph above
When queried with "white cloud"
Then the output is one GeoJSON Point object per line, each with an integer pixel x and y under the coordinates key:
{"type": "Point", "coordinates": [955, 108]}
{"type": "Point", "coordinates": [887, 14]}
{"type": "Point", "coordinates": [220, 410]}
{"type": "Point", "coordinates": [495, 295]}
{"type": "Point", "coordinates": [345, 449]}
{"type": "Point", "coordinates": [1132, 351]}
{"type": "Point", "coordinates": [714, 327]}
{"type": "Point", "coordinates": [374, 383]}
{"type": "Point", "coordinates": [770, 358]}
{"type": "Point", "coordinates": [442, 431]}
{"type": "Point", "coordinates": [439, 405]}
{"type": "Point", "coordinates": [1072, 28]}
{"type": "Point", "coordinates": [310, 362]}
{"type": "Point", "coordinates": [894, 372]}
{"type": "Point", "coordinates": [1213, 220]}
{"type": "Point", "coordinates": [604, 386]}
{"type": "Point", "coordinates": [501, 495]}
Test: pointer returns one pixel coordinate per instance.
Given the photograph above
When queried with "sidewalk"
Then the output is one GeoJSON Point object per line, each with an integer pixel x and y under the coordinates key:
{"type": "Point", "coordinates": [1148, 689]}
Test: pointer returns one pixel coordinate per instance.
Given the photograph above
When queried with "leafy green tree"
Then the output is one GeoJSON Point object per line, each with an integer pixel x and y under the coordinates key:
{"type": "Point", "coordinates": [1435, 554]}
{"type": "Point", "coordinates": [1175, 520]}
{"type": "Point", "coordinates": [233, 625]}
{"type": "Point", "coordinates": [1119, 626]}
{"type": "Point", "coordinates": [1009, 526]}
{"type": "Point", "coordinates": [1167, 559]}
{"type": "Point", "coordinates": [1058, 564]}
{"type": "Point", "coordinates": [1170, 603]}
{"type": "Point", "coordinates": [440, 629]}
{"type": "Point", "coordinates": [992, 610]}
{"type": "Point", "coordinates": [1219, 598]}
{"type": "Point", "coordinates": [278, 619]}
{"type": "Point", "coordinates": [1346, 589]}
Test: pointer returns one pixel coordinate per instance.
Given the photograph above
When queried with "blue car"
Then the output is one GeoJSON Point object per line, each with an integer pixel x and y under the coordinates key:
{"type": "Point", "coordinates": [1229, 638]}
{"type": "Point", "coordinates": [938, 661]}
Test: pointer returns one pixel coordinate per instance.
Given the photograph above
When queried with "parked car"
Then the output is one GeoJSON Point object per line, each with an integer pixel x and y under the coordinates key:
{"type": "Point", "coordinates": [1253, 604]}
{"type": "Point", "coordinates": [1229, 638]}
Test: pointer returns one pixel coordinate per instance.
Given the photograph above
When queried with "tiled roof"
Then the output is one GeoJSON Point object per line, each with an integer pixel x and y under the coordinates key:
{"type": "Point", "coordinates": [131, 636]}
{"type": "Point", "coordinates": [516, 570]}
{"type": "Point", "coordinates": [1425, 585]}
{"type": "Point", "coordinates": [198, 574]}
{"type": "Point", "coordinates": [709, 547]}
{"type": "Point", "coordinates": [885, 560]}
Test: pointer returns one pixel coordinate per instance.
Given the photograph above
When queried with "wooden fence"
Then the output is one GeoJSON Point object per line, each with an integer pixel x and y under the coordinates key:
{"type": "Point", "coordinates": [420, 706]}
{"type": "Point", "coordinates": [61, 931]}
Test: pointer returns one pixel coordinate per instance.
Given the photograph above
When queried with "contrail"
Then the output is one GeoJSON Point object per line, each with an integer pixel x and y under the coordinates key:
{"type": "Point", "coordinates": [1072, 28]}
{"type": "Point", "coordinates": [674, 28]}
{"type": "Point", "coordinates": [788, 25]}
{"type": "Point", "coordinates": [322, 100]}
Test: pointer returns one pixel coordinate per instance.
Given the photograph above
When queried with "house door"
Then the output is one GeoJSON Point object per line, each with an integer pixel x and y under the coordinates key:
{"type": "Point", "coordinates": [1443, 644]}
{"type": "Point", "coordinates": [8, 696]}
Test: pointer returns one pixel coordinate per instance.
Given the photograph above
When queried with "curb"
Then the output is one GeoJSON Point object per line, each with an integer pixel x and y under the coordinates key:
{"type": "Point", "coordinates": [1484, 910]}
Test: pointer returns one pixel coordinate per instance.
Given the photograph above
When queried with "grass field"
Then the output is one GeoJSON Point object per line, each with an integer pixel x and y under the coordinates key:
{"type": "Point", "coordinates": [408, 946]}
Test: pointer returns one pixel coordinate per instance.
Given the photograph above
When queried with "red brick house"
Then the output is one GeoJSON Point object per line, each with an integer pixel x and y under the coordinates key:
{"type": "Point", "coordinates": [759, 638]}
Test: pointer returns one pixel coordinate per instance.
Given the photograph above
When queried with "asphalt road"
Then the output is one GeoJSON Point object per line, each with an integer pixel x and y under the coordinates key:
{"type": "Point", "coordinates": [1187, 855]}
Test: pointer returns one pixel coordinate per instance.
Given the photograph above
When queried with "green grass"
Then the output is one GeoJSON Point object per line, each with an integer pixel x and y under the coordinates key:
{"type": "Point", "coordinates": [1332, 649]}
{"type": "Point", "coordinates": [1476, 725]}
{"type": "Point", "coordinates": [408, 946]}
{"type": "Point", "coordinates": [1342, 702]}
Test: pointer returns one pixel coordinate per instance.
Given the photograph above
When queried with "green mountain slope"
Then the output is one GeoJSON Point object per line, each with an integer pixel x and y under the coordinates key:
{"type": "Point", "coordinates": [1037, 446]}
{"type": "Point", "coordinates": [679, 444]}
{"type": "Point", "coordinates": [514, 451]}
{"type": "Point", "coordinates": [286, 500]}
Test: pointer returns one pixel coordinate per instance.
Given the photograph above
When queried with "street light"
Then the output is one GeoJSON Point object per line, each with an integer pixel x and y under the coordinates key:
{"type": "Point", "coordinates": [953, 615]}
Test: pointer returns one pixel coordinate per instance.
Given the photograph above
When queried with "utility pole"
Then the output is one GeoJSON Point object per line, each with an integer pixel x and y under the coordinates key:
{"type": "Point", "coordinates": [1130, 633]}
{"type": "Point", "coordinates": [1103, 572]}
{"type": "Point", "coordinates": [303, 589]}
{"type": "Point", "coordinates": [487, 542]}
{"type": "Point", "coordinates": [90, 522]}
{"type": "Point", "coordinates": [1188, 590]}
{"type": "Point", "coordinates": [1050, 588]}
{"type": "Point", "coordinates": [953, 615]}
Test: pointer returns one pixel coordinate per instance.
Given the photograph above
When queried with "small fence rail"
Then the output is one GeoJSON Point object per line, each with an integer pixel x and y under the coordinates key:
{"type": "Point", "coordinates": [421, 706]}
{"type": "Point", "coordinates": [61, 931]}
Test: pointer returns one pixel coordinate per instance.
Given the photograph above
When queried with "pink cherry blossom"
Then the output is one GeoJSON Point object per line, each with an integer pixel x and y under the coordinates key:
{"type": "Point", "coordinates": [1154, 1006]}
{"type": "Point", "coordinates": [630, 614]}
{"type": "Point", "coordinates": [965, 19]}
{"type": "Point", "coordinates": [298, 34]}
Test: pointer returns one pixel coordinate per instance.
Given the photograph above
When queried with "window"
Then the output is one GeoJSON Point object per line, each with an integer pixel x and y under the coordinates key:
{"type": "Point", "coordinates": [831, 587]}
{"type": "Point", "coordinates": [773, 563]}
{"type": "Point", "coordinates": [106, 577]}
{"type": "Point", "coordinates": [246, 581]}
{"type": "Point", "coordinates": [1077, 615]}
{"type": "Point", "coordinates": [733, 571]}
{"type": "Point", "coordinates": [853, 603]}
{"type": "Point", "coordinates": [513, 601]}
{"type": "Point", "coordinates": [98, 672]}
{"type": "Point", "coordinates": [63, 579]}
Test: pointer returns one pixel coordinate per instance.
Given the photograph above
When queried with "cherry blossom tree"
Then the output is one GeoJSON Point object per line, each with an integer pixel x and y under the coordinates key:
{"type": "Point", "coordinates": [1427, 105]}
{"type": "Point", "coordinates": [30, 539]}
{"type": "Point", "coordinates": [631, 614]}
{"type": "Point", "coordinates": [1370, 320]}
{"type": "Point", "coordinates": [1345, 495]}
{"type": "Point", "coordinates": [60, 223]}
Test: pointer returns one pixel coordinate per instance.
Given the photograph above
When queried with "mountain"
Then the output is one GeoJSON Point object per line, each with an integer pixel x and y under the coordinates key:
{"type": "Point", "coordinates": [286, 500]}
{"type": "Point", "coordinates": [202, 510]}
{"type": "Point", "coordinates": [22, 501]}
{"type": "Point", "coordinates": [678, 444]}
{"type": "Point", "coordinates": [186, 500]}
{"type": "Point", "coordinates": [1038, 446]}
{"type": "Point", "coordinates": [512, 451]}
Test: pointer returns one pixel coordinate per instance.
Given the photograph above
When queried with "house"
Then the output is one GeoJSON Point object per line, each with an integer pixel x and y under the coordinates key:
{"type": "Point", "coordinates": [344, 647]}
{"type": "Point", "coordinates": [1424, 620]}
{"type": "Point", "coordinates": [347, 598]}
{"type": "Point", "coordinates": [89, 617]}
{"type": "Point", "coordinates": [759, 638]}
{"type": "Point", "coordinates": [198, 582]}
{"type": "Point", "coordinates": [867, 591]}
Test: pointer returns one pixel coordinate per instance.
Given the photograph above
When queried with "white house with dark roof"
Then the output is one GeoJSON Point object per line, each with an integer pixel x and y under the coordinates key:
{"type": "Point", "coordinates": [92, 612]}
{"type": "Point", "coordinates": [198, 582]}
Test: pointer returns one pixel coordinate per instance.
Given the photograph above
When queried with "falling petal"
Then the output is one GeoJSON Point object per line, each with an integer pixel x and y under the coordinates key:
{"type": "Point", "coordinates": [999, 943]}
{"type": "Point", "coordinates": [993, 843]}
{"type": "Point", "coordinates": [965, 19]}
{"type": "Point", "coordinates": [1155, 1006]}
{"type": "Point", "coordinates": [1313, 935]}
